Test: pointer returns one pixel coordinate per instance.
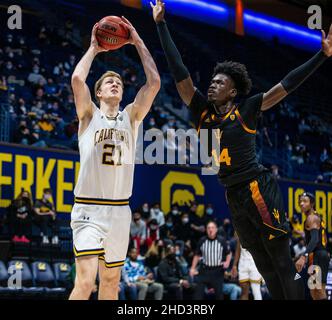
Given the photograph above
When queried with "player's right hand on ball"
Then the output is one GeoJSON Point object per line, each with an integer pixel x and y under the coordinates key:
{"type": "Point", "coordinates": [158, 10]}
{"type": "Point", "coordinates": [94, 42]}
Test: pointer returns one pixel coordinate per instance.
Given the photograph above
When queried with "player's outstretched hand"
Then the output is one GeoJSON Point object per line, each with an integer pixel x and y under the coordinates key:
{"type": "Point", "coordinates": [94, 42]}
{"type": "Point", "coordinates": [327, 42]}
{"type": "Point", "coordinates": [158, 10]}
{"type": "Point", "coordinates": [134, 37]}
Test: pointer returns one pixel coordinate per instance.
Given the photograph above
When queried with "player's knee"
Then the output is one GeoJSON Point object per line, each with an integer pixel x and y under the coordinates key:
{"type": "Point", "coordinates": [85, 285]}
{"type": "Point", "coordinates": [110, 280]}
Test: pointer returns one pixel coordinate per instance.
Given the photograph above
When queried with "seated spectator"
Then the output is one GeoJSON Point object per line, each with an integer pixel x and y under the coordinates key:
{"type": "Point", "coordinates": [167, 230]}
{"type": "Point", "coordinates": [171, 276]}
{"type": "Point", "coordinates": [157, 214]}
{"type": "Point", "coordinates": [135, 273]}
{"type": "Point", "coordinates": [175, 215]}
{"type": "Point", "coordinates": [35, 77]}
{"type": "Point", "coordinates": [182, 230]}
{"type": "Point", "coordinates": [299, 248]}
{"type": "Point", "coordinates": [180, 258]}
{"type": "Point", "coordinates": [20, 215]}
{"type": "Point", "coordinates": [197, 224]}
{"type": "Point", "coordinates": [230, 288]}
{"type": "Point", "coordinates": [228, 228]}
{"type": "Point", "coordinates": [152, 232]}
{"type": "Point", "coordinates": [46, 217]}
{"type": "Point", "coordinates": [145, 211]}
{"type": "Point", "coordinates": [154, 254]}
{"type": "Point", "coordinates": [22, 134]}
{"type": "Point", "coordinates": [127, 288]}
{"type": "Point", "coordinates": [138, 231]}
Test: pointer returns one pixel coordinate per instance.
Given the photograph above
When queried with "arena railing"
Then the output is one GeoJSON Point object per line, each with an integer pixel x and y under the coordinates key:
{"type": "Point", "coordinates": [4, 123]}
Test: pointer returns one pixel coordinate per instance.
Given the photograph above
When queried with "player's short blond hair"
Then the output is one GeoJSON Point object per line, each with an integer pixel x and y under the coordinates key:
{"type": "Point", "coordinates": [101, 79]}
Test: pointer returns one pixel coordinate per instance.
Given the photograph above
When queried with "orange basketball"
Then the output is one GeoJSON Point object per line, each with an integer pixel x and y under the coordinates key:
{"type": "Point", "coordinates": [110, 34]}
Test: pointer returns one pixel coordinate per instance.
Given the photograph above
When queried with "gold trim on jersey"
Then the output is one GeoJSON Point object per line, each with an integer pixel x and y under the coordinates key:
{"type": "Point", "coordinates": [243, 123]}
{"type": "Point", "coordinates": [106, 202]}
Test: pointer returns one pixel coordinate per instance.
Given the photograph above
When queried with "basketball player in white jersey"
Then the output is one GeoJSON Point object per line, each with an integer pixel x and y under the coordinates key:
{"type": "Point", "coordinates": [244, 266]}
{"type": "Point", "coordinates": [101, 214]}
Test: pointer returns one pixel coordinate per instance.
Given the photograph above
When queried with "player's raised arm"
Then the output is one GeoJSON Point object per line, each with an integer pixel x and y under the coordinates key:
{"type": "Point", "coordinates": [81, 91]}
{"type": "Point", "coordinates": [184, 83]}
{"type": "Point", "coordinates": [146, 95]}
{"type": "Point", "coordinates": [296, 77]}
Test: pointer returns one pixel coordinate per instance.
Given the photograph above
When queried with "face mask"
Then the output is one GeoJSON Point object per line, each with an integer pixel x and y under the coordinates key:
{"type": "Point", "coordinates": [11, 55]}
{"type": "Point", "coordinates": [177, 253]}
{"type": "Point", "coordinates": [156, 210]}
{"type": "Point", "coordinates": [153, 227]}
{"type": "Point", "coordinates": [185, 220]}
{"type": "Point", "coordinates": [175, 212]}
{"type": "Point", "coordinates": [145, 209]}
{"type": "Point", "coordinates": [170, 225]}
{"type": "Point", "coordinates": [209, 211]}
{"type": "Point", "coordinates": [47, 196]}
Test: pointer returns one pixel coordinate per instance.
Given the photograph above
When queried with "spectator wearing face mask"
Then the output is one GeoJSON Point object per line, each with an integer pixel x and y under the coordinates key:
{"type": "Point", "coordinates": [157, 214]}
{"type": "Point", "coordinates": [145, 211]}
{"type": "Point", "coordinates": [152, 232]}
{"type": "Point", "coordinates": [167, 230]}
{"type": "Point", "coordinates": [46, 217]}
{"type": "Point", "coordinates": [197, 224]}
{"type": "Point", "coordinates": [171, 276]}
{"type": "Point", "coordinates": [138, 231]}
{"type": "Point", "coordinates": [175, 215]}
{"type": "Point", "coordinates": [20, 213]}
{"type": "Point", "coordinates": [183, 231]}
{"type": "Point", "coordinates": [35, 77]}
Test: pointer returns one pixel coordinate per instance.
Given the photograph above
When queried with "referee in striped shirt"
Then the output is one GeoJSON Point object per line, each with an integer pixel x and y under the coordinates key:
{"type": "Point", "coordinates": [216, 257]}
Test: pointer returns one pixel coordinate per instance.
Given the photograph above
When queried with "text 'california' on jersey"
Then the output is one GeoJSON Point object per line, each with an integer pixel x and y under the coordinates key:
{"type": "Point", "coordinates": [107, 157]}
{"type": "Point", "coordinates": [236, 131]}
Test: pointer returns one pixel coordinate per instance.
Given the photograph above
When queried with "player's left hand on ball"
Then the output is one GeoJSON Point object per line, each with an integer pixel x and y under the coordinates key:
{"type": "Point", "coordinates": [327, 42]}
{"type": "Point", "coordinates": [134, 37]}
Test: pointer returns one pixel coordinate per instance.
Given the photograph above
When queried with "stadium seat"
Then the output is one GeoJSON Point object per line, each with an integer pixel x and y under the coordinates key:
{"type": "Point", "coordinates": [21, 266]}
{"type": "Point", "coordinates": [43, 274]}
{"type": "Point", "coordinates": [61, 273]}
{"type": "Point", "coordinates": [27, 287]}
{"type": "Point", "coordinates": [3, 274]}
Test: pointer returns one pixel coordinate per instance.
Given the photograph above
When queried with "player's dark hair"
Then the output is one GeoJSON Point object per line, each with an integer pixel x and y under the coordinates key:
{"type": "Point", "coordinates": [310, 196]}
{"type": "Point", "coordinates": [237, 72]}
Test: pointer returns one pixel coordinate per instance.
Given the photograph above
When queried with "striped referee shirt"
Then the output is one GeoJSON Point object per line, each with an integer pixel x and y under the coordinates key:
{"type": "Point", "coordinates": [212, 251]}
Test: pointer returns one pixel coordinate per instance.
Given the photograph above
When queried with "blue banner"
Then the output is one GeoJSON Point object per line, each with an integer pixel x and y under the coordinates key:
{"type": "Point", "coordinates": [34, 169]}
